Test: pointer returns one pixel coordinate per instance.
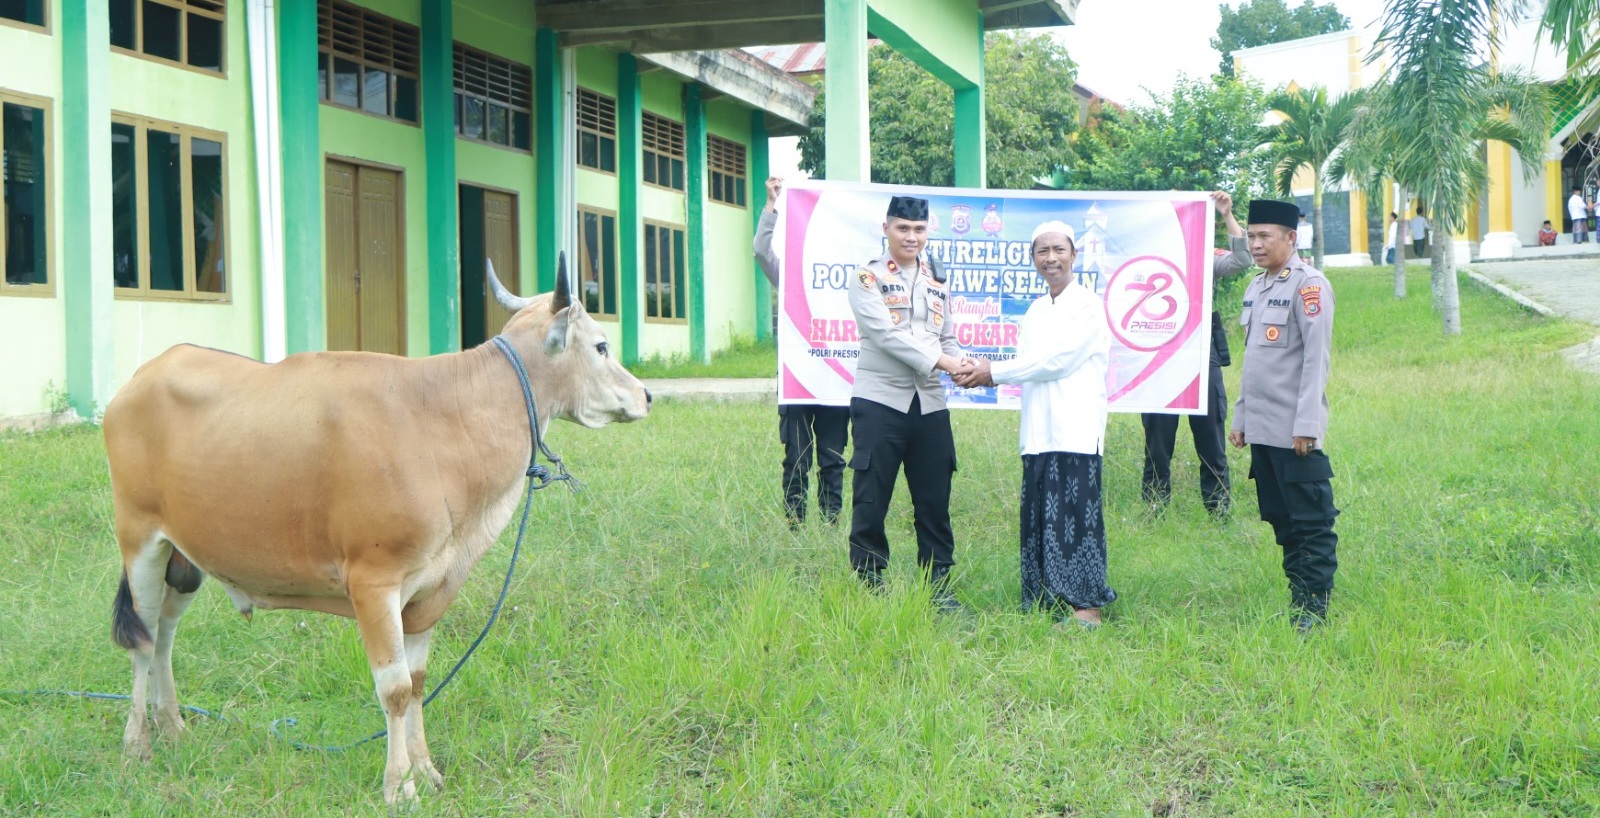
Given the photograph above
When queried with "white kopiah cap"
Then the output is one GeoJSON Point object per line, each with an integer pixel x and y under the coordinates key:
{"type": "Point", "coordinates": [1054, 226]}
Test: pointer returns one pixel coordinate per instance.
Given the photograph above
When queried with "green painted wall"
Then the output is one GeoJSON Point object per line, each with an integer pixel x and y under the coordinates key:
{"type": "Point", "coordinates": [729, 229]}
{"type": "Point", "coordinates": [944, 31]}
{"type": "Point", "coordinates": [362, 137]}
{"type": "Point", "coordinates": [32, 65]}
{"type": "Point", "coordinates": [144, 329]}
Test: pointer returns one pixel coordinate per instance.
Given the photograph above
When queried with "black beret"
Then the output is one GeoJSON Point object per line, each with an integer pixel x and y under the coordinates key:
{"type": "Point", "coordinates": [909, 208]}
{"type": "Point", "coordinates": [1272, 211]}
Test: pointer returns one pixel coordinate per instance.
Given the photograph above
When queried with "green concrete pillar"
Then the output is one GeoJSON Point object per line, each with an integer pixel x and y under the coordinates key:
{"type": "Point", "coordinates": [845, 83]}
{"type": "Point", "coordinates": [547, 149]}
{"type": "Point", "coordinates": [306, 326]}
{"type": "Point", "coordinates": [439, 144]}
{"type": "Point", "coordinates": [84, 274]}
{"type": "Point", "coordinates": [971, 129]}
{"type": "Point", "coordinates": [630, 227]}
{"type": "Point", "coordinates": [759, 171]}
{"type": "Point", "coordinates": [694, 128]}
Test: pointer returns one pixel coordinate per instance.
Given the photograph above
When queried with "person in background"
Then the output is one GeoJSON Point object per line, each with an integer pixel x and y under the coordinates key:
{"type": "Point", "coordinates": [804, 429]}
{"type": "Point", "coordinates": [897, 406]}
{"type": "Point", "coordinates": [1547, 235]}
{"type": "Point", "coordinates": [1304, 233]}
{"type": "Point", "coordinates": [1394, 238]}
{"type": "Point", "coordinates": [1282, 413]}
{"type": "Point", "coordinates": [1063, 349]}
{"type": "Point", "coordinates": [1210, 430]}
{"type": "Point", "coordinates": [1578, 212]}
{"type": "Point", "coordinates": [1419, 234]}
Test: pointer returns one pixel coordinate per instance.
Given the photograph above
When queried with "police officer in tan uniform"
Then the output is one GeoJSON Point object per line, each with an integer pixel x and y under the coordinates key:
{"type": "Point", "coordinates": [1282, 412]}
{"type": "Point", "coordinates": [897, 407]}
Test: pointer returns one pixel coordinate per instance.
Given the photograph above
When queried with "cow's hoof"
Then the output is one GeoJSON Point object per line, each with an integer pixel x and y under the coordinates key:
{"type": "Point", "coordinates": [171, 724]}
{"type": "Point", "coordinates": [403, 799]}
{"type": "Point", "coordinates": [430, 775]}
{"type": "Point", "coordinates": [136, 741]}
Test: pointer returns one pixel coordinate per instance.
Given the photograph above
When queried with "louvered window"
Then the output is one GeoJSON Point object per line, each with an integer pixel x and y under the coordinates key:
{"type": "Point", "coordinates": [366, 61]}
{"type": "Point", "coordinates": [597, 131]}
{"type": "Point", "coordinates": [727, 167]}
{"type": "Point", "coordinates": [186, 32]}
{"type": "Point", "coordinates": [663, 152]}
{"type": "Point", "coordinates": [494, 99]}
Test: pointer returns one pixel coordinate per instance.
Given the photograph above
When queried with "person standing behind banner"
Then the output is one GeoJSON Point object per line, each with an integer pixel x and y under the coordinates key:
{"type": "Point", "coordinates": [1282, 411]}
{"type": "Point", "coordinates": [804, 428]}
{"type": "Point", "coordinates": [1063, 349]}
{"type": "Point", "coordinates": [1210, 430]}
{"type": "Point", "coordinates": [897, 406]}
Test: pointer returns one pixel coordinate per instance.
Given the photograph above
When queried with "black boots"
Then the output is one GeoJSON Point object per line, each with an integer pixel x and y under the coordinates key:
{"type": "Point", "coordinates": [871, 578]}
{"type": "Point", "coordinates": [1310, 609]}
{"type": "Point", "coordinates": [943, 601]}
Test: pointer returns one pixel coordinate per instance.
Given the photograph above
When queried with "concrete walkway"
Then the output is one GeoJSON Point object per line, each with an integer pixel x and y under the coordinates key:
{"type": "Point", "coordinates": [1566, 286]}
{"type": "Point", "coordinates": [715, 390]}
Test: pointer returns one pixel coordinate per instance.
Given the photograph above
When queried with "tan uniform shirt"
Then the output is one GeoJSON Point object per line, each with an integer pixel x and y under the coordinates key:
{"type": "Point", "coordinates": [903, 319]}
{"type": "Point", "coordinates": [1288, 321]}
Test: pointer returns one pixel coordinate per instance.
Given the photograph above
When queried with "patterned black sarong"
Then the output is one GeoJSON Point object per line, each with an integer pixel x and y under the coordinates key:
{"type": "Point", "coordinates": [1063, 534]}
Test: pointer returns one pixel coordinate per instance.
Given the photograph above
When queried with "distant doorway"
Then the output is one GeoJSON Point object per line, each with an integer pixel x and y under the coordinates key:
{"type": "Point", "coordinates": [488, 233]}
{"type": "Point", "coordinates": [366, 300]}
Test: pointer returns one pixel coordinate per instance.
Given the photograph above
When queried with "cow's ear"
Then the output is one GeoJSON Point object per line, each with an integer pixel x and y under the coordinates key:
{"type": "Point", "coordinates": [555, 338]}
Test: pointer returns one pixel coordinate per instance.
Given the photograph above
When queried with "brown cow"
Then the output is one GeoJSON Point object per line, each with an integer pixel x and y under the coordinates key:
{"type": "Point", "coordinates": [352, 483]}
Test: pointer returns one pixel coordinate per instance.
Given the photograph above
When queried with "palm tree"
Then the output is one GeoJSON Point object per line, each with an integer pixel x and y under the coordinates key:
{"type": "Point", "coordinates": [1439, 103]}
{"type": "Point", "coordinates": [1310, 135]}
{"type": "Point", "coordinates": [1366, 163]}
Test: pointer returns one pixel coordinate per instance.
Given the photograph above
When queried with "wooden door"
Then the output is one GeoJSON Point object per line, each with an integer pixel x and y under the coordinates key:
{"type": "Point", "coordinates": [500, 247]}
{"type": "Point", "coordinates": [366, 260]}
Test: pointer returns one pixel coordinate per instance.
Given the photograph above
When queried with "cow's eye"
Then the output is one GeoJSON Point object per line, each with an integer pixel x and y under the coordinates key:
{"type": "Point", "coordinates": [603, 348]}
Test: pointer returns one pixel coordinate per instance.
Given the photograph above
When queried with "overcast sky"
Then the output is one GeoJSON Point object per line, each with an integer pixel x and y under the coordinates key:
{"type": "Point", "coordinates": [1123, 46]}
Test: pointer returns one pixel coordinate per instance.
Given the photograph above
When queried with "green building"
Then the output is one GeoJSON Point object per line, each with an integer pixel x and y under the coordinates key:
{"type": "Point", "coordinates": [269, 178]}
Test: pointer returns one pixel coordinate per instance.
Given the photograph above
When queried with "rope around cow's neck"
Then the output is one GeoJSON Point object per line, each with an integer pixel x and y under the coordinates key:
{"type": "Point", "coordinates": [539, 476]}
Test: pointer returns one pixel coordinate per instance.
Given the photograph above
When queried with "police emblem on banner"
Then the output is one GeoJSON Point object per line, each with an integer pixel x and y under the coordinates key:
{"type": "Point", "coordinates": [991, 221]}
{"type": "Point", "coordinates": [960, 219]}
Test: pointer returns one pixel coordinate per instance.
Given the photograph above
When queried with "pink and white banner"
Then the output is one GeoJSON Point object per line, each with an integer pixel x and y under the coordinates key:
{"type": "Point", "coordinates": [1147, 255]}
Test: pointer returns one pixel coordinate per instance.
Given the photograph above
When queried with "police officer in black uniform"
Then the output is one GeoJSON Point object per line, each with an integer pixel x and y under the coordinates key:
{"type": "Point", "coordinates": [1282, 411]}
{"type": "Point", "coordinates": [898, 403]}
{"type": "Point", "coordinates": [804, 429]}
{"type": "Point", "coordinates": [1211, 429]}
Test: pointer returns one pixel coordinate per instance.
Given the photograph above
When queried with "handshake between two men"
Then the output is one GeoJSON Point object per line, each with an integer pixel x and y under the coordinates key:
{"type": "Point", "coordinates": [967, 372]}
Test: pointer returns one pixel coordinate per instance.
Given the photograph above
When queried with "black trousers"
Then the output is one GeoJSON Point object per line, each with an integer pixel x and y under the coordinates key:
{"type": "Point", "coordinates": [808, 430]}
{"type": "Point", "coordinates": [1296, 497]}
{"type": "Point", "coordinates": [884, 441]}
{"type": "Point", "coordinates": [1210, 443]}
{"type": "Point", "coordinates": [1419, 248]}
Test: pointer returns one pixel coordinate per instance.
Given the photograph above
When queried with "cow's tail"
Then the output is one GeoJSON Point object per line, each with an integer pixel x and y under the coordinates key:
{"type": "Point", "coordinates": [126, 627]}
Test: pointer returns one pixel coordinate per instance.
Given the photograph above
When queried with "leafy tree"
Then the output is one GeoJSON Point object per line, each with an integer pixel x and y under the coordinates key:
{"type": "Point", "coordinates": [1437, 105]}
{"type": "Point", "coordinates": [1030, 111]}
{"type": "Point", "coordinates": [1264, 22]}
{"type": "Point", "coordinates": [1201, 136]}
{"type": "Point", "coordinates": [1310, 135]}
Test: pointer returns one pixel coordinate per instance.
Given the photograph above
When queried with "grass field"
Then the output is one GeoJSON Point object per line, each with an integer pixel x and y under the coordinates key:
{"type": "Point", "coordinates": [671, 649]}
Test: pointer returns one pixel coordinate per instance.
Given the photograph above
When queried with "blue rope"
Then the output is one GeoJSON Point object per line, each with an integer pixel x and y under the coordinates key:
{"type": "Point", "coordinates": [539, 476]}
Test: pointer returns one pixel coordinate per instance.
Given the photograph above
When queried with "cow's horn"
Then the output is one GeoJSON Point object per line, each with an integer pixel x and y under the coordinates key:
{"type": "Point", "coordinates": [513, 303]}
{"type": "Point", "coordinates": [563, 297]}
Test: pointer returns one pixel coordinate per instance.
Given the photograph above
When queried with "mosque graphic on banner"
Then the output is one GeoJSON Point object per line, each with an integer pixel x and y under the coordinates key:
{"type": "Point", "coordinates": [1098, 252]}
